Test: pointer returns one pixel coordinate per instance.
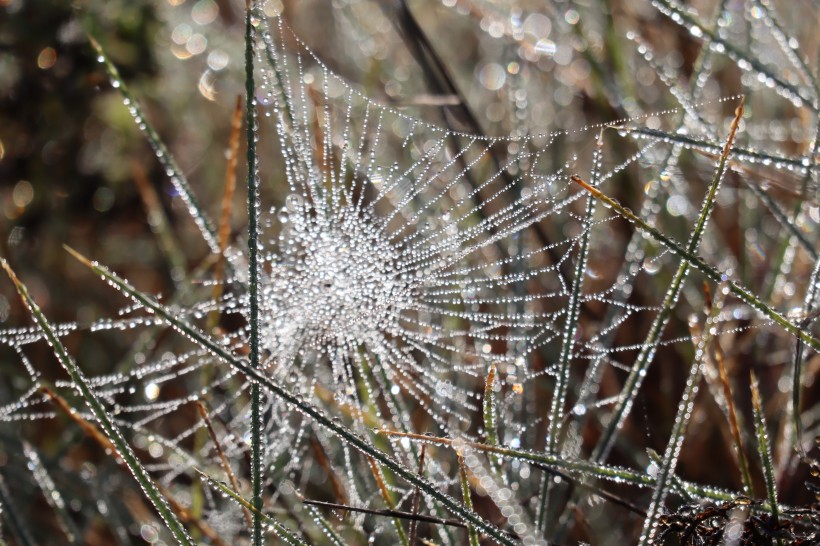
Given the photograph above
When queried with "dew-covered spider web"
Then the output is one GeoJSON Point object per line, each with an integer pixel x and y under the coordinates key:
{"type": "Point", "coordinates": [402, 262]}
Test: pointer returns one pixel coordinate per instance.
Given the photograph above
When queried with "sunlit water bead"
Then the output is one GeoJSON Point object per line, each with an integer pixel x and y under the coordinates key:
{"type": "Point", "coordinates": [335, 282]}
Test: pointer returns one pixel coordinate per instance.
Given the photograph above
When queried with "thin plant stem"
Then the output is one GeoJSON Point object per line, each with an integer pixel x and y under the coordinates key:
{"type": "Point", "coordinates": [559, 396]}
{"type": "Point", "coordinates": [390, 513]}
{"type": "Point", "coordinates": [226, 466]}
{"type": "Point", "coordinates": [417, 498]}
{"type": "Point", "coordinates": [765, 451]}
{"type": "Point", "coordinates": [185, 514]}
{"type": "Point", "coordinates": [277, 528]}
{"type": "Point", "coordinates": [111, 430]}
{"type": "Point", "coordinates": [738, 290]}
{"type": "Point", "coordinates": [165, 158]}
{"type": "Point", "coordinates": [666, 469]}
{"type": "Point", "coordinates": [683, 17]}
{"type": "Point", "coordinates": [467, 499]}
{"type": "Point", "coordinates": [636, 375]}
{"type": "Point", "coordinates": [253, 277]}
{"type": "Point", "coordinates": [575, 466]}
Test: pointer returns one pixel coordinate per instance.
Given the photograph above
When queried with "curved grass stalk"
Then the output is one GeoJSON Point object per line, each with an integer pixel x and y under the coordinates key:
{"type": "Point", "coordinates": [178, 179]}
{"type": "Point", "coordinates": [254, 375]}
{"type": "Point", "coordinates": [111, 430]}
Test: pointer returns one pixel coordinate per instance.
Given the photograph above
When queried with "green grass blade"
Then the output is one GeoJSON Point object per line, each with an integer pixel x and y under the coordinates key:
{"type": "Point", "coordinates": [708, 147]}
{"type": "Point", "coordinates": [206, 342]}
{"type": "Point", "coordinates": [468, 501]}
{"type": "Point", "coordinates": [765, 451]}
{"type": "Point", "coordinates": [329, 532]}
{"type": "Point", "coordinates": [783, 40]}
{"type": "Point", "coordinates": [178, 179]}
{"type": "Point", "coordinates": [282, 532]}
{"type": "Point", "coordinates": [559, 394]}
{"type": "Point", "coordinates": [636, 375]}
{"type": "Point", "coordinates": [782, 218]}
{"type": "Point", "coordinates": [575, 467]}
{"type": "Point", "coordinates": [253, 276]}
{"type": "Point", "coordinates": [110, 429]}
{"type": "Point", "coordinates": [713, 274]}
{"type": "Point", "coordinates": [797, 372]}
{"type": "Point", "coordinates": [572, 320]}
{"type": "Point", "coordinates": [677, 483]}
{"type": "Point", "coordinates": [666, 470]}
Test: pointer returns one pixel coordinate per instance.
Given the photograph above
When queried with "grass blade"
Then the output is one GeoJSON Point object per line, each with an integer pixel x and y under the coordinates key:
{"type": "Point", "coordinates": [713, 149]}
{"type": "Point", "coordinates": [666, 469]}
{"type": "Point", "coordinates": [465, 495]}
{"type": "Point", "coordinates": [638, 372]}
{"type": "Point", "coordinates": [765, 452]}
{"type": "Point", "coordinates": [52, 495]}
{"type": "Point", "coordinates": [388, 499]}
{"type": "Point", "coordinates": [695, 261]}
{"type": "Point", "coordinates": [559, 395]}
{"type": "Point", "coordinates": [185, 514]}
{"type": "Point", "coordinates": [417, 498]}
{"type": "Point", "coordinates": [111, 430]}
{"type": "Point", "coordinates": [329, 532]}
{"type": "Point", "coordinates": [792, 53]}
{"type": "Point", "coordinates": [254, 375]}
{"type": "Point", "coordinates": [277, 528]}
{"type": "Point", "coordinates": [390, 512]}
{"type": "Point", "coordinates": [572, 466]}
{"type": "Point", "coordinates": [734, 425]}
{"type": "Point", "coordinates": [165, 158]}
{"type": "Point", "coordinates": [226, 466]}
{"type": "Point", "coordinates": [253, 275]}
